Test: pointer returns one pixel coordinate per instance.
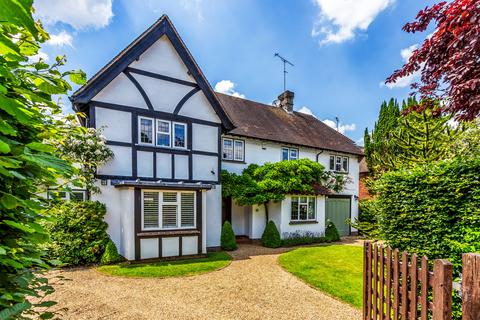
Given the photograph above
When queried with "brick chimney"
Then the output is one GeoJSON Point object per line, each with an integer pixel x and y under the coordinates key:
{"type": "Point", "coordinates": [286, 101]}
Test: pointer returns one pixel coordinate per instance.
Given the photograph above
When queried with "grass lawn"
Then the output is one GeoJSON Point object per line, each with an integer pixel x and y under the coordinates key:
{"type": "Point", "coordinates": [213, 261]}
{"type": "Point", "coordinates": [334, 269]}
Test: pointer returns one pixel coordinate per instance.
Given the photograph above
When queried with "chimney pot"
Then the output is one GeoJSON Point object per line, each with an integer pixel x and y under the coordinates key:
{"type": "Point", "coordinates": [286, 101]}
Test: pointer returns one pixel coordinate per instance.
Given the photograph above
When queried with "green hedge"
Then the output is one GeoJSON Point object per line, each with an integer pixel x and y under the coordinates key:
{"type": "Point", "coordinates": [227, 238]}
{"type": "Point", "coordinates": [111, 255]}
{"type": "Point", "coordinates": [331, 232]}
{"type": "Point", "coordinates": [271, 236]}
{"type": "Point", "coordinates": [432, 210]}
{"type": "Point", "coordinates": [78, 232]}
{"type": "Point", "coordinates": [367, 223]}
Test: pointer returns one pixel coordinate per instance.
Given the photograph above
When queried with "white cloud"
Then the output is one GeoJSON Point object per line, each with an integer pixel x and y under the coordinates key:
{"type": "Point", "coordinates": [228, 87]}
{"type": "Point", "coordinates": [40, 55]}
{"type": "Point", "coordinates": [342, 128]}
{"type": "Point", "coordinates": [61, 39]}
{"type": "Point", "coordinates": [306, 110]}
{"type": "Point", "coordinates": [338, 20]}
{"type": "Point", "coordinates": [194, 6]}
{"type": "Point", "coordinates": [403, 82]}
{"type": "Point", "coordinates": [80, 14]}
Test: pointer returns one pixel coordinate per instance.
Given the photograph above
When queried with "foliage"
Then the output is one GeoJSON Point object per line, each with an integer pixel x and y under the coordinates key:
{"type": "Point", "coordinates": [177, 268]}
{"type": "Point", "coordinates": [300, 237]}
{"type": "Point", "coordinates": [448, 59]}
{"type": "Point", "coordinates": [78, 233]}
{"type": "Point", "coordinates": [87, 148]}
{"type": "Point", "coordinates": [110, 255]}
{"type": "Point", "coordinates": [272, 181]}
{"type": "Point", "coordinates": [432, 210]}
{"type": "Point", "coordinates": [334, 269]}
{"type": "Point", "coordinates": [29, 118]}
{"type": "Point", "coordinates": [367, 223]}
{"type": "Point", "coordinates": [227, 237]}
{"type": "Point", "coordinates": [331, 232]}
{"type": "Point", "coordinates": [404, 141]}
{"type": "Point", "coordinates": [271, 236]}
{"type": "Point", "coordinates": [467, 143]}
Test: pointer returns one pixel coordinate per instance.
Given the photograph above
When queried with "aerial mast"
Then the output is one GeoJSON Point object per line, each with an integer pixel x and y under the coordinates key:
{"type": "Point", "coordinates": [285, 61]}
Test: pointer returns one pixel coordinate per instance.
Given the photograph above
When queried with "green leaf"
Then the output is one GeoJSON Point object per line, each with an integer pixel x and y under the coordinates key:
{"type": "Point", "coordinates": [3, 251]}
{"type": "Point", "coordinates": [8, 47]}
{"type": "Point", "coordinates": [78, 77]}
{"type": "Point", "coordinates": [4, 148]}
{"type": "Point", "coordinates": [19, 13]}
{"type": "Point", "coordinates": [41, 147]}
{"type": "Point", "coordinates": [15, 310]}
{"type": "Point", "coordinates": [19, 226]}
{"type": "Point", "coordinates": [8, 201]}
{"type": "Point", "coordinates": [6, 128]}
{"type": "Point", "coordinates": [47, 315]}
{"type": "Point", "coordinates": [15, 109]}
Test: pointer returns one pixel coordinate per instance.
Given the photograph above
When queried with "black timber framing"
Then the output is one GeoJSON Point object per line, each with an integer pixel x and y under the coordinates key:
{"type": "Point", "coordinates": [161, 77]}
{"type": "Point", "coordinates": [137, 219]}
{"type": "Point", "coordinates": [140, 89]}
{"type": "Point", "coordinates": [120, 63]}
{"type": "Point", "coordinates": [185, 99]}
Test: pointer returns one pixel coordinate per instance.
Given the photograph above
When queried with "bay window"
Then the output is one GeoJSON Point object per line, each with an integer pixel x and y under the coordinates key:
{"type": "Point", "coordinates": [168, 210]}
{"type": "Point", "coordinates": [303, 208]}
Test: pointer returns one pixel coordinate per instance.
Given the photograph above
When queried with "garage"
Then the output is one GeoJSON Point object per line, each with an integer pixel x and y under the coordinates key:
{"type": "Point", "coordinates": [337, 210]}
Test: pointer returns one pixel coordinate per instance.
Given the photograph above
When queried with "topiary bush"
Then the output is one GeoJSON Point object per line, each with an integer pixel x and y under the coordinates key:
{"type": "Point", "coordinates": [111, 255]}
{"type": "Point", "coordinates": [227, 238]}
{"type": "Point", "coordinates": [78, 232]}
{"type": "Point", "coordinates": [331, 232]}
{"type": "Point", "coordinates": [271, 236]}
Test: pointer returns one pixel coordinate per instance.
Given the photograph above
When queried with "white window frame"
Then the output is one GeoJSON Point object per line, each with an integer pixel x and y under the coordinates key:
{"type": "Point", "coordinates": [157, 121]}
{"type": "Point", "coordinates": [301, 203]}
{"type": "Point", "coordinates": [172, 133]}
{"type": "Point", "coordinates": [179, 210]}
{"type": "Point", "coordinates": [338, 159]}
{"type": "Point", "coordinates": [68, 195]}
{"type": "Point", "coordinates": [154, 137]}
{"type": "Point", "coordinates": [233, 149]}
{"type": "Point", "coordinates": [289, 153]}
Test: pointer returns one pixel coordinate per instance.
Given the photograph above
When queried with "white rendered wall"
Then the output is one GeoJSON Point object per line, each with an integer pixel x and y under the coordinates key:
{"type": "Point", "coordinates": [181, 166]}
{"type": "Point", "coordinates": [205, 167]}
{"type": "Point", "coordinates": [162, 58]}
{"type": "Point", "coordinates": [116, 124]}
{"type": "Point", "coordinates": [145, 164]}
{"type": "Point", "coordinates": [164, 165]}
{"type": "Point", "coordinates": [239, 220]}
{"type": "Point", "coordinates": [119, 217]}
{"type": "Point", "coordinates": [199, 107]}
{"type": "Point", "coordinates": [121, 91]}
{"type": "Point", "coordinates": [189, 245]}
{"type": "Point", "coordinates": [286, 208]}
{"type": "Point", "coordinates": [213, 221]}
{"type": "Point", "coordinates": [257, 222]}
{"type": "Point", "coordinates": [205, 138]}
{"type": "Point", "coordinates": [120, 165]}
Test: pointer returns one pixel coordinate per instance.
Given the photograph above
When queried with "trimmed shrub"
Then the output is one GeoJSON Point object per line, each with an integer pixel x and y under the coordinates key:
{"type": "Point", "coordinates": [367, 223]}
{"type": "Point", "coordinates": [227, 238]}
{"type": "Point", "coordinates": [110, 255]}
{"type": "Point", "coordinates": [331, 232]}
{"type": "Point", "coordinates": [271, 236]}
{"type": "Point", "coordinates": [300, 237]}
{"type": "Point", "coordinates": [78, 232]}
{"type": "Point", "coordinates": [432, 210]}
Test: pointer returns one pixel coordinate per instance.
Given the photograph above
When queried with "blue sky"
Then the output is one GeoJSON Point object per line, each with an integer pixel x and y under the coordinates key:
{"type": "Point", "coordinates": [342, 49]}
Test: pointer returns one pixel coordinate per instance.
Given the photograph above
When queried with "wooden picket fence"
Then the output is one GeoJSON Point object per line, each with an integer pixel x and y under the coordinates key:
{"type": "Point", "coordinates": [399, 286]}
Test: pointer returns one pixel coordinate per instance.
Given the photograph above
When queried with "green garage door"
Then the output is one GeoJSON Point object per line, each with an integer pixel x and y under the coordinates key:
{"type": "Point", "coordinates": [337, 210]}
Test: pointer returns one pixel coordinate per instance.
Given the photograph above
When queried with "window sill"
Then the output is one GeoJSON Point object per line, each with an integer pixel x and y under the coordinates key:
{"type": "Point", "coordinates": [168, 232]}
{"type": "Point", "coordinates": [160, 147]}
{"type": "Point", "coordinates": [303, 222]}
{"type": "Point", "coordinates": [233, 161]}
{"type": "Point", "coordinates": [339, 172]}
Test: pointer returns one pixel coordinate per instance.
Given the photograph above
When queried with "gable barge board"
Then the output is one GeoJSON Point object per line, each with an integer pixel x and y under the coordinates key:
{"type": "Point", "coordinates": [153, 113]}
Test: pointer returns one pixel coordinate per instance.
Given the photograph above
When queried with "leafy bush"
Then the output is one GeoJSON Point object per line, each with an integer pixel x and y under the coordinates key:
{"type": "Point", "coordinates": [227, 238]}
{"type": "Point", "coordinates": [432, 210]}
{"type": "Point", "coordinates": [78, 233]}
{"type": "Point", "coordinates": [110, 255]}
{"type": "Point", "coordinates": [331, 232]}
{"type": "Point", "coordinates": [300, 237]}
{"type": "Point", "coordinates": [271, 236]}
{"type": "Point", "coordinates": [367, 223]}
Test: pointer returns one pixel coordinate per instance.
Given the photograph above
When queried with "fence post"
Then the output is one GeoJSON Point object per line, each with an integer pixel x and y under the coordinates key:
{"type": "Point", "coordinates": [442, 290]}
{"type": "Point", "coordinates": [470, 286]}
{"type": "Point", "coordinates": [365, 277]}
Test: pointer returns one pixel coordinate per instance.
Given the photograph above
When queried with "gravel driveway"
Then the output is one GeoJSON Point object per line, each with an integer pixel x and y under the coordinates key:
{"type": "Point", "coordinates": [253, 286]}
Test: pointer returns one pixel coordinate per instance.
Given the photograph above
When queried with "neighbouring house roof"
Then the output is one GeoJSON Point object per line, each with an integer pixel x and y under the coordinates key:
{"type": "Point", "coordinates": [363, 167]}
{"type": "Point", "coordinates": [162, 185]}
{"type": "Point", "coordinates": [257, 120]}
{"type": "Point", "coordinates": [118, 64]}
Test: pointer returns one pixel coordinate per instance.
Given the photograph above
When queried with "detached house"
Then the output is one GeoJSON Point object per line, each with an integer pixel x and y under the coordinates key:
{"type": "Point", "coordinates": [172, 135]}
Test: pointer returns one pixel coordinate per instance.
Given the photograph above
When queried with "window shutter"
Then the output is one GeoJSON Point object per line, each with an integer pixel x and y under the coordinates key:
{"type": "Point", "coordinates": [150, 210]}
{"type": "Point", "coordinates": [169, 216]}
{"type": "Point", "coordinates": [187, 203]}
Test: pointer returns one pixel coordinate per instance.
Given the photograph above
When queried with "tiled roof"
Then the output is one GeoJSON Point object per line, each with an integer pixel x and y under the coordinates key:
{"type": "Point", "coordinates": [256, 120]}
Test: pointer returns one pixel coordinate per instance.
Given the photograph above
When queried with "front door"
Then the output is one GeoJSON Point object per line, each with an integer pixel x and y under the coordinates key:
{"type": "Point", "coordinates": [226, 210]}
{"type": "Point", "coordinates": [337, 210]}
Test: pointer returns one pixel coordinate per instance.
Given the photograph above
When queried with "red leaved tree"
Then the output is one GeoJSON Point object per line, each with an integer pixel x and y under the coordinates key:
{"type": "Point", "coordinates": [449, 60]}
